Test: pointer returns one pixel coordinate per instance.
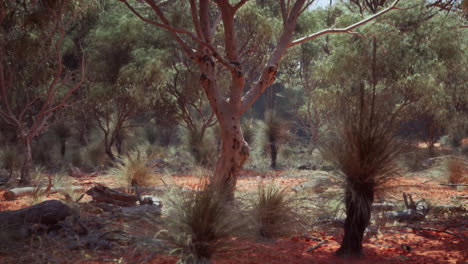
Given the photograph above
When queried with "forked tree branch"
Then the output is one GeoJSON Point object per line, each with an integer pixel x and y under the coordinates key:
{"type": "Point", "coordinates": [348, 30]}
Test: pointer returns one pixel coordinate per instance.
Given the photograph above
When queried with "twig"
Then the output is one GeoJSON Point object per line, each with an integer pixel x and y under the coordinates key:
{"type": "Point", "coordinates": [453, 184]}
{"type": "Point", "coordinates": [312, 238]}
{"type": "Point", "coordinates": [322, 241]}
{"type": "Point", "coordinates": [316, 246]}
{"type": "Point", "coordinates": [437, 230]}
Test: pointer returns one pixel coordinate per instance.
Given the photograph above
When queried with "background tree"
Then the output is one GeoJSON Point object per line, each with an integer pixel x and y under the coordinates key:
{"type": "Point", "coordinates": [33, 34]}
{"type": "Point", "coordinates": [184, 96]}
{"type": "Point", "coordinates": [123, 80]}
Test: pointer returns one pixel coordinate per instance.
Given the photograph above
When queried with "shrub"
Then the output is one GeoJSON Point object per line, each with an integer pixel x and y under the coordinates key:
{"type": "Point", "coordinates": [199, 224]}
{"type": "Point", "coordinates": [201, 147]}
{"type": "Point", "coordinates": [273, 212]}
{"type": "Point", "coordinates": [134, 170]}
{"type": "Point", "coordinates": [93, 156]}
{"type": "Point", "coordinates": [457, 170]}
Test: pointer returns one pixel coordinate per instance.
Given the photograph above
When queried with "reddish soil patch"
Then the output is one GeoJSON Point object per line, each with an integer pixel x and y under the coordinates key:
{"type": "Point", "coordinates": [426, 246]}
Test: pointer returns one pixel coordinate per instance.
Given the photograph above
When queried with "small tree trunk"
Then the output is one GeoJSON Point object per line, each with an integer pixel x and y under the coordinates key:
{"type": "Point", "coordinates": [274, 154]}
{"type": "Point", "coordinates": [195, 260]}
{"type": "Point", "coordinates": [118, 145]}
{"type": "Point", "coordinates": [110, 154]}
{"type": "Point", "coordinates": [84, 135]}
{"type": "Point", "coordinates": [234, 153]}
{"type": "Point", "coordinates": [63, 148]}
{"type": "Point", "coordinates": [430, 148]}
{"type": "Point", "coordinates": [358, 213]}
{"type": "Point", "coordinates": [27, 164]}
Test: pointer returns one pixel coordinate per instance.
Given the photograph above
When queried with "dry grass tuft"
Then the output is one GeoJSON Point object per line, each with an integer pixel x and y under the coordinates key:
{"type": "Point", "coordinates": [199, 223]}
{"type": "Point", "coordinates": [134, 169]}
{"type": "Point", "coordinates": [457, 170]}
{"type": "Point", "coordinates": [273, 212]}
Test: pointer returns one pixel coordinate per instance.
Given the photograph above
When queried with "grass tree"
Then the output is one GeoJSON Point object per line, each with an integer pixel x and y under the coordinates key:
{"type": "Point", "coordinates": [209, 36]}
{"type": "Point", "coordinates": [276, 132]}
{"type": "Point", "coordinates": [365, 150]}
{"type": "Point", "coordinates": [375, 91]}
{"type": "Point", "coordinates": [34, 82]}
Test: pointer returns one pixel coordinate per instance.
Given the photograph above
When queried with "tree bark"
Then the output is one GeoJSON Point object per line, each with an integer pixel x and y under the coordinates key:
{"type": "Point", "coordinates": [27, 164]}
{"type": "Point", "coordinates": [234, 153]}
{"type": "Point", "coordinates": [358, 213]}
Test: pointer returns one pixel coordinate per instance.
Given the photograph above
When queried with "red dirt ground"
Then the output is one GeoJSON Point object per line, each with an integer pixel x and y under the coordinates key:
{"type": "Point", "coordinates": [426, 246]}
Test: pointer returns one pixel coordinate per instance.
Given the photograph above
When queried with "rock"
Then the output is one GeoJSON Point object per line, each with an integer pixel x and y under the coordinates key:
{"type": "Point", "coordinates": [20, 224]}
{"type": "Point", "coordinates": [47, 213]}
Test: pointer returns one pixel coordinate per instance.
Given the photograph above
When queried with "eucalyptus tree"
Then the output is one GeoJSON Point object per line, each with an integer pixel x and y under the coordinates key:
{"type": "Point", "coordinates": [212, 40]}
{"type": "Point", "coordinates": [34, 81]}
{"type": "Point", "coordinates": [123, 80]}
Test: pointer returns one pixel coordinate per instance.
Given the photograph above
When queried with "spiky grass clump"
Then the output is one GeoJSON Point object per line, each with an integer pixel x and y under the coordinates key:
{"type": "Point", "coordinates": [134, 170]}
{"type": "Point", "coordinates": [457, 170]}
{"type": "Point", "coordinates": [273, 212]}
{"type": "Point", "coordinates": [276, 133]}
{"type": "Point", "coordinates": [364, 147]}
{"type": "Point", "coordinates": [199, 224]}
{"type": "Point", "coordinates": [365, 150]}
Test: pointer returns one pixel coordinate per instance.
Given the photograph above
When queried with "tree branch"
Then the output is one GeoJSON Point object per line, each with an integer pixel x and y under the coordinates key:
{"type": "Point", "coordinates": [348, 30]}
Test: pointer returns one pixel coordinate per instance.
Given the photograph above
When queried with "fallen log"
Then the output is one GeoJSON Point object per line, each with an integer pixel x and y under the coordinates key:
{"type": "Point", "coordinates": [47, 213]}
{"type": "Point", "coordinates": [103, 194]}
{"type": "Point", "coordinates": [416, 210]}
{"type": "Point", "coordinates": [24, 191]}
